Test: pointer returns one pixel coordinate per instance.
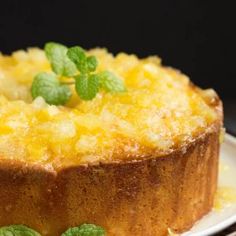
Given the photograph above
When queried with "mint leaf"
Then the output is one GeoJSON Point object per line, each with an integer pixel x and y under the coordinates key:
{"type": "Point", "coordinates": [110, 82]}
{"type": "Point", "coordinates": [85, 230]}
{"type": "Point", "coordinates": [17, 230]}
{"type": "Point", "coordinates": [92, 63]}
{"type": "Point", "coordinates": [87, 86]}
{"type": "Point", "coordinates": [83, 63]}
{"type": "Point", "coordinates": [49, 87]}
{"type": "Point", "coordinates": [77, 55]}
{"type": "Point", "coordinates": [57, 55]}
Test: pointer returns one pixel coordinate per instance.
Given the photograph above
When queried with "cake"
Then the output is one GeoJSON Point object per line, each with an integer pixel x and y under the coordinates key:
{"type": "Point", "coordinates": [143, 162]}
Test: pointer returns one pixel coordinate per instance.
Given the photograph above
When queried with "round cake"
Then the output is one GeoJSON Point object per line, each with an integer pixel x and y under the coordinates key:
{"type": "Point", "coordinates": [142, 162]}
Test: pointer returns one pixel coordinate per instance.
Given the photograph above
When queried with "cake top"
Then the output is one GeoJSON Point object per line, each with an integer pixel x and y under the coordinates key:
{"type": "Point", "coordinates": [160, 110]}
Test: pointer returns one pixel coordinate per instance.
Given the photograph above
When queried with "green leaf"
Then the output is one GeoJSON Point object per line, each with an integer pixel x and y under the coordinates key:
{"type": "Point", "coordinates": [85, 230]}
{"type": "Point", "coordinates": [87, 86]}
{"type": "Point", "coordinates": [57, 55]}
{"type": "Point", "coordinates": [77, 55]}
{"type": "Point", "coordinates": [92, 63]}
{"type": "Point", "coordinates": [111, 83]}
{"type": "Point", "coordinates": [17, 230]}
{"type": "Point", "coordinates": [49, 87]}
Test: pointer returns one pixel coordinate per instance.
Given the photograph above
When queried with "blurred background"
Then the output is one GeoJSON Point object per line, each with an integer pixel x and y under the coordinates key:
{"type": "Point", "coordinates": [197, 37]}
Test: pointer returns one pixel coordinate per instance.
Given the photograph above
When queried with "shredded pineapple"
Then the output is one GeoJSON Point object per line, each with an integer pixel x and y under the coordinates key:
{"type": "Point", "coordinates": [159, 111]}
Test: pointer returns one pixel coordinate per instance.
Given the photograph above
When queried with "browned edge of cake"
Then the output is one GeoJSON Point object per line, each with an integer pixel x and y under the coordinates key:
{"type": "Point", "coordinates": [144, 197]}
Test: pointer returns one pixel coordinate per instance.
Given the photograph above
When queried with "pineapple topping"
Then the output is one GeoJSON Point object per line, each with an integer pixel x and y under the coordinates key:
{"type": "Point", "coordinates": [159, 111]}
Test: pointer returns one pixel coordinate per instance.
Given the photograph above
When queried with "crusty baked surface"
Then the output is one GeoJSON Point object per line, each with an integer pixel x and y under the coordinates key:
{"type": "Point", "coordinates": [132, 198]}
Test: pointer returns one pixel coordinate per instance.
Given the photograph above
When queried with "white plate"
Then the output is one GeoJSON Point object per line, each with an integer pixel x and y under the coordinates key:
{"type": "Point", "coordinates": [216, 221]}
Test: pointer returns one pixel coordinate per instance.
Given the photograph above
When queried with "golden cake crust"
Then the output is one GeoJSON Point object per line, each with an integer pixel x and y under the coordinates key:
{"type": "Point", "coordinates": [138, 197]}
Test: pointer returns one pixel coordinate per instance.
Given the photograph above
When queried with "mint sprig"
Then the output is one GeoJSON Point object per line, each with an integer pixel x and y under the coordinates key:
{"type": "Point", "coordinates": [82, 230]}
{"type": "Point", "coordinates": [85, 230]}
{"type": "Point", "coordinates": [72, 63]}
{"type": "Point", "coordinates": [17, 230]}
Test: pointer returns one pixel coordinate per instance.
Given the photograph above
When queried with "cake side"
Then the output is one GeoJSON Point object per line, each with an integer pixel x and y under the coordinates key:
{"type": "Point", "coordinates": [142, 197]}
